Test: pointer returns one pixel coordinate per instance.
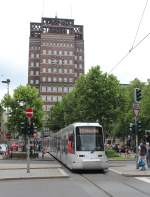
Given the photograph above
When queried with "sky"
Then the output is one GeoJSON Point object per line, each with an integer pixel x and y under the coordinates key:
{"type": "Point", "coordinates": [111, 28]}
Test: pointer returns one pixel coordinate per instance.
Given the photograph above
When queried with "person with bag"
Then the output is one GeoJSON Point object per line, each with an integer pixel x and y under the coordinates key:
{"type": "Point", "coordinates": [142, 156]}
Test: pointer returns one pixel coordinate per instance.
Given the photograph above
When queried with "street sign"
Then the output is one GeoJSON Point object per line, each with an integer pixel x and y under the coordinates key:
{"type": "Point", "coordinates": [29, 113]}
{"type": "Point", "coordinates": [136, 108]}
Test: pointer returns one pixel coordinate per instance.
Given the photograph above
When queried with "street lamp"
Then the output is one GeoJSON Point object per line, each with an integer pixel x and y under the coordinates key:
{"type": "Point", "coordinates": [7, 82]}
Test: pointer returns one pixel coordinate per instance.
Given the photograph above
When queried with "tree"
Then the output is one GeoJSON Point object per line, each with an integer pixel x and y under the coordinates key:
{"type": "Point", "coordinates": [23, 98]}
{"type": "Point", "coordinates": [94, 98]}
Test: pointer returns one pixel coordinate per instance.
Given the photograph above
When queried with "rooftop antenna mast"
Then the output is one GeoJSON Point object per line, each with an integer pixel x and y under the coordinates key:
{"type": "Point", "coordinates": [43, 7]}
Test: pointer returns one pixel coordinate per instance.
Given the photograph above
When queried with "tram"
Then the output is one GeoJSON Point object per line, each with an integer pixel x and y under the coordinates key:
{"type": "Point", "coordinates": [80, 146]}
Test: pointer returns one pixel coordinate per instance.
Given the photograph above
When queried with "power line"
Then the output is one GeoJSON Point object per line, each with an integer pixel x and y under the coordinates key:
{"type": "Point", "coordinates": [133, 47]}
{"type": "Point", "coordinates": [129, 52]}
{"type": "Point", "coordinates": [139, 24]}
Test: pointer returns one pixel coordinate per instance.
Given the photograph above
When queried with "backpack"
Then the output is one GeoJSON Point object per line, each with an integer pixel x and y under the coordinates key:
{"type": "Point", "coordinates": [141, 163]}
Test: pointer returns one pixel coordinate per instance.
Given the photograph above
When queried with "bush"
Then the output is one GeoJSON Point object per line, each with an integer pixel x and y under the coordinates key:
{"type": "Point", "coordinates": [111, 153]}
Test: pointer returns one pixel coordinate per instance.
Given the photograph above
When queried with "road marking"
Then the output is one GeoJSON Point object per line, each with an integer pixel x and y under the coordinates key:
{"type": "Point", "coordinates": [116, 171]}
{"type": "Point", "coordinates": [147, 180]}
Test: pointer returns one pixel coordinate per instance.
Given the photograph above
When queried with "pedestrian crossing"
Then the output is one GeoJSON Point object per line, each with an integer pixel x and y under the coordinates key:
{"type": "Point", "coordinates": [144, 179]}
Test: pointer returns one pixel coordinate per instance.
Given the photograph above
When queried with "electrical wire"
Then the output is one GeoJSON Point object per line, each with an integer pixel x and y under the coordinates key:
{"type": "Point", "coordinates": [129, 52]}
{"type": "Point", "coordinates": [133, 47]}
{"type": "Point", "coordinates": [139, 24]}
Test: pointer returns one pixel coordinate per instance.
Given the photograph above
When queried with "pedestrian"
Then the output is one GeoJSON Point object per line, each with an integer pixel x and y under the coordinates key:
{"type": "Point", "coordinates": [148, 154]}
{"type": "Point", "coordinates": [142, 156]}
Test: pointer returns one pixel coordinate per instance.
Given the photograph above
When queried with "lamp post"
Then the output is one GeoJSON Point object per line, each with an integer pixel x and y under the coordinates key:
{"type": "Point", "coordinates": [7, 81]}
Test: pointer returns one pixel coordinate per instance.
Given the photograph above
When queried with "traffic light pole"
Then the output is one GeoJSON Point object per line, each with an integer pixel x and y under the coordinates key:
{"type": "Point", "coordinates": [28, 150]}
{"type": "Point", "coordinates": [136, 140]}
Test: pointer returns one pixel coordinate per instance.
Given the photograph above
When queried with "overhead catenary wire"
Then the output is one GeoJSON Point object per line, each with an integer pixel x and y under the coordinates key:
{"type": "Point", "coordinates": [139, 24]}
{"type": "Point", "coordinates": [133, 45]}
{"type": "Point", "coordinates": [129, 52]}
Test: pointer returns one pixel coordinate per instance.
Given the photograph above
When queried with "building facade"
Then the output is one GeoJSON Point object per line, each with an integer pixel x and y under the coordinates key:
{"type": "Point", "coordinates": [56, 58]}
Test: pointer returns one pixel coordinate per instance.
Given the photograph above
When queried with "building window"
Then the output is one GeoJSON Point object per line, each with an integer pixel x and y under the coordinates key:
{"type": "Point", "coordinates": [32, 64]}
{"type": "Point", "coordinates": [80, 66]}
{"type": "Point", "coordinates": [54, 89]}
{"type": "Point", "coordinates": [49, 61]}
{"type": "Point", "coordinates": [49, 98]}
{"type": "Point", "coordinates": [49, 70]}
{"type": "Point", "coordinates": [44, 70]}
{"type": "Point", "coordinates": [37, 81]}
{"type": "Point", "coordinates": [49, 89]}
{"type": "Point", "coordinates": [60, 79]}
{"type": "Point", "coordinates": [70, 62]}
{"type": "Point", "coordinates": [70, 71]}
{"type": "Point", "coordinates": [37, 64]}
{"type": "Point", "coordinates": [65, 89]}
{"type": "Point", "coordinates": [60, 70]}
{"type": "Point", "coordinates": [49, 52]}
{"type": "Point", "coordinates": [31, 81]}
{"type": "Point", "coordinates": [43, 79]}
{"type": "Point", "coordinates": [70, 53]}
{"type": "Point", "coordinates": [55, 98]}
{"type": "Point", "coordinates": [43, 89]}
{"type": "Point", "coordinates": [59, 89]}
{"type": "Point", "coordinates": [65, 79]}
{"type": "Point", "coordinates": [49, 79]}
{"type": "Point", "coordinates": [44, 52]}
{"type": "Point", "coordinates": [32, 55]}
{"type": "Point", "coordinates": [55, 70]}
{"type": "Point", "coordinates": [44, 61]}
{"type": "Point", "coordinates": [65, 70]}
{"type": "Point", "coordinates": [70, 80]}
{"type": "Point", "coordinates": [59, 98]}
{"type": "Point", "coordinates": [37, 55]}
{"type": "Point", "coordinates": [37, 73]}
{"type": "Point", "coordinates": [31, 73]}
{"type": "Point", "coordinates": [43, 97]}
{"type": "Point", "coordinates": [54, 79]}
{"type": "Point", "coordinates": [80, 57]}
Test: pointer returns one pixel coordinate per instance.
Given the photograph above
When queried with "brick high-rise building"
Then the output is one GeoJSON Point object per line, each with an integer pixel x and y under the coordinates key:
{"type": "Point", "coordinates": [56, 57]}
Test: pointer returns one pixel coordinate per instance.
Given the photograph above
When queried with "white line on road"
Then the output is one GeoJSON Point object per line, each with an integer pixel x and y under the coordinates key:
{"type": "Point", "coordinates": [147, 180]}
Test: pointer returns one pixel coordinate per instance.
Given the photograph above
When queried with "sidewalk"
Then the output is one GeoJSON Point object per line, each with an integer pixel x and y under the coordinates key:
{"type": "Point", "coordinates": [128, 168]}
{"type": "Point", "coordinates": [12, 170]}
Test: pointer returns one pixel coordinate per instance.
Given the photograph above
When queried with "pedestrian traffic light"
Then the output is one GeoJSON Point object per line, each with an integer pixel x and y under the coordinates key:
{"type": "Point", "coordinates": [137, 94]}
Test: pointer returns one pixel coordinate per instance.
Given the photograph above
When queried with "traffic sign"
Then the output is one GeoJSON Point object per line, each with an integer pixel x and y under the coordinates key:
{"type": "Point", "coordinates": [136, 108]}
{"type": "Point", "coordinates": [29, 113]}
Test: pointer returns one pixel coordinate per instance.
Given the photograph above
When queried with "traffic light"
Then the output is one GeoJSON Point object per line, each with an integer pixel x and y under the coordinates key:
{"type": "Point", "coordinates": [29, 128]}
{"type": "Point", "coordinates": [132, 127]}
{"type": "Point", "coordinates": [139, 125]}
{"type": "Point", "coordinates": [137, 94]}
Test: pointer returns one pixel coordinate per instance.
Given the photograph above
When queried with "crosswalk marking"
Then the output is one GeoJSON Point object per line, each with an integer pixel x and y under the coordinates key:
{"type": "Point", "coordinates": [147, 180]}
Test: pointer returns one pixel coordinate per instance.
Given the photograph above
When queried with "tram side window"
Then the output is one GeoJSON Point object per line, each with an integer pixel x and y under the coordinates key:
{"type": "Point", "coordinates": [71, 145]}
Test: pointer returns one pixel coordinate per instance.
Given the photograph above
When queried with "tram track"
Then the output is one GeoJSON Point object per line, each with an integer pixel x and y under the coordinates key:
{"type": "Point", "coordinates": [124, 182]}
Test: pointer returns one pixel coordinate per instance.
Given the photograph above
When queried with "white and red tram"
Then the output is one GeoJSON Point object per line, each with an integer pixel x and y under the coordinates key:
{"type": "Point", "coordinates": [80, 146]}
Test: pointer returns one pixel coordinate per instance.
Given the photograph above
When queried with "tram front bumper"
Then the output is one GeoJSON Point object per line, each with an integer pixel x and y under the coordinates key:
{"type": "Point", "coordinates": [90, 165]}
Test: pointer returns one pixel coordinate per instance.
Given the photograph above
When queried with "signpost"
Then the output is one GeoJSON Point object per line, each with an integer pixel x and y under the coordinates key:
{"type": "Point", "coordinates": [136, 109]}
{"type": "Point", "coordinates": [29, 115]}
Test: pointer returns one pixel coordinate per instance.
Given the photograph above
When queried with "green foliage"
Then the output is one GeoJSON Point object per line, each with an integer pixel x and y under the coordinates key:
{"type": "Point", "coordinates": [23, 98]}
{"type": "Point", "coordinates": [94, 98]}
{"type": "Point", "coordinates": [111, 153]}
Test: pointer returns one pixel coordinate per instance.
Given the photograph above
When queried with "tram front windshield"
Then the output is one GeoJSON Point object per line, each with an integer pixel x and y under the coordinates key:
{"type": "Point", "coordinates": [89, 139]}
